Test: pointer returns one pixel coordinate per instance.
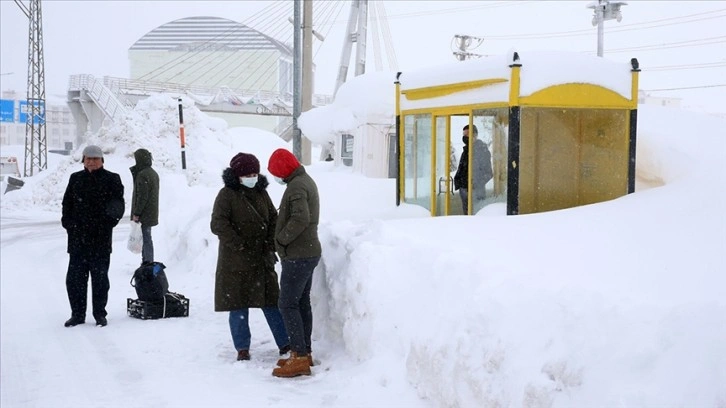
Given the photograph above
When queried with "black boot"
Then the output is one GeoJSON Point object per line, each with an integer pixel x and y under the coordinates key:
{"type": "Point", "coordinates": [74, 321]}
{"type": "Point", "coordinates": [101, 321]}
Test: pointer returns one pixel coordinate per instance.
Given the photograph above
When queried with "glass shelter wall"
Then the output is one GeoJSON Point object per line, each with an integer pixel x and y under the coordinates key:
{"type": "Point", "coordinates": [444, 168]}
{"type": "Point", "coordinates": [442, 180]}
{"type": "Point", "coordinates": [417, 166]}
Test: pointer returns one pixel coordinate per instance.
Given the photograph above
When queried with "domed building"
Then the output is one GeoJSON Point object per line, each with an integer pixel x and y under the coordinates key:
{"type": "Point", "coordinates": [212, 53]}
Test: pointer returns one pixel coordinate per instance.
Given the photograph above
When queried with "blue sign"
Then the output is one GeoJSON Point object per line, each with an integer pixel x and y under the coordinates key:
{"type": "Point", "coordinates": [7, 110]}
{"type": "Point", "coordinates": [39, 117]}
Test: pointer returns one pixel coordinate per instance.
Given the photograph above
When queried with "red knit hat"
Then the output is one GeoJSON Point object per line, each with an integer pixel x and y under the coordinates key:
{"type": "Point", "coordinates": [282, 163]}
{"type": "Point", "coordinates": [244, 163]}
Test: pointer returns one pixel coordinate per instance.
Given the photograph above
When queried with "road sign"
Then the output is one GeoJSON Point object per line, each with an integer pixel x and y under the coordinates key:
{"type": "Point", "coordinates": [23, 116]}
{"type": "Point", "coordinates": [7, 110]}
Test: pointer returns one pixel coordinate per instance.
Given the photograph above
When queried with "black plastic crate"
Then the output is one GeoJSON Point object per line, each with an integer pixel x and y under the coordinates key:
{"type": "Point", "coordinates": [173, 305]}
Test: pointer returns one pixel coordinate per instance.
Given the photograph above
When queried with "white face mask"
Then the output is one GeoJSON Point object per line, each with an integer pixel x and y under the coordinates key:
{"type": "Point", "coordinates": [248, 182]}
{"type": "Point", "coordinates": [279, 180]}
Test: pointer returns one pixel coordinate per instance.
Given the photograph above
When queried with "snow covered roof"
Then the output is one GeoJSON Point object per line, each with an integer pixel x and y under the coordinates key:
{"type": "Point", "coordinates": [364, 99]}
{"type": "Point", "coordinates": [539, 70]}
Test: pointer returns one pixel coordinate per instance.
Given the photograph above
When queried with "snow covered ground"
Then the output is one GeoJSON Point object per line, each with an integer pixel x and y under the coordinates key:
{"type": "Point", "coordinates": [617, 304]}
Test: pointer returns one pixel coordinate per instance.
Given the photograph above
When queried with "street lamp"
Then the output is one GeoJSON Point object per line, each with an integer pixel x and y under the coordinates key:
{"type": "Point", "coordinates": [605, 10]}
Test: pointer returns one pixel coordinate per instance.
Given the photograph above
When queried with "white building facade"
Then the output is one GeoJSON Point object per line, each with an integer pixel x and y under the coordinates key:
{"type": "Point", "coordinates": [59, 124]}
{"type": "Point", "coordinates": [216, 53]}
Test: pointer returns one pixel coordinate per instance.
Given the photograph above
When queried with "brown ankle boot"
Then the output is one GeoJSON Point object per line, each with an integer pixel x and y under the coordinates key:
{"type": "Point", "coordinates": [281, 362]}
{"type": "Point", "coordinates": [293, 366]}
{"type": "Point", "coordinates": [243, 355]}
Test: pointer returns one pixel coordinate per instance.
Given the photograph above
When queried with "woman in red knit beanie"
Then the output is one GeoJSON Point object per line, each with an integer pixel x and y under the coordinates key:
{"type": "Point", "coordinates": [297, 244]}
{"type": "Point", "coordinates": [282, 163]}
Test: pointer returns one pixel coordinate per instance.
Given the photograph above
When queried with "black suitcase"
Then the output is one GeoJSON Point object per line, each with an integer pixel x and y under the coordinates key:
{"type": "Point", "coordinates": [173, 305]}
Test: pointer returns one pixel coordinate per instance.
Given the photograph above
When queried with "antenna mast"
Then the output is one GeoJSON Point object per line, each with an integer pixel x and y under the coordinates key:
{"type": "Point", "coordinates": [356, 32]}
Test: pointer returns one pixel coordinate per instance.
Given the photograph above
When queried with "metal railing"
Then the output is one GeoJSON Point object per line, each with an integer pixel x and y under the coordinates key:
{"type": "Point", "coordinates": [104, 97]}
{"type": "Point", "coordinates": [116, 96]}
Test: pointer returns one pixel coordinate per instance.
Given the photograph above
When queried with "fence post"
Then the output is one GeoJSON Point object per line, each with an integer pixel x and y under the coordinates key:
{"type": "Point", "coordinates": [181, 135]}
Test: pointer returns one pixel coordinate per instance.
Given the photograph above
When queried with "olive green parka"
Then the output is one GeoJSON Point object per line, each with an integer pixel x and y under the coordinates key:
{"type": "Point", "coordinates": [145, 196]}
{"type": "Point", "coordinates": [296, 232]}
{"type": "Point", "coordinates": [244, 220]}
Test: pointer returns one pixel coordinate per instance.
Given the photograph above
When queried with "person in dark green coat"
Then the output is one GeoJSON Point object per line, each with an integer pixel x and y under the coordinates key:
{"type": "Point", "coordinates": [297, 243]}
{"type": "Point", "coordinates": [145, 200]}
{"type": "Point", "coordinates": [244, 219]}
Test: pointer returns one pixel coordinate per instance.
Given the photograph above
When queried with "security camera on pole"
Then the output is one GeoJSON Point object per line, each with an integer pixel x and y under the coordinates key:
{"type": "Point", "coordinates": [604, 10]}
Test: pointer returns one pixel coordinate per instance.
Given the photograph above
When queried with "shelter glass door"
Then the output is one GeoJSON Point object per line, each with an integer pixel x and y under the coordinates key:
{"type": "Point", "coordinates": [417, 160]}
{"type": "Point", "coordinates": [445, 168]}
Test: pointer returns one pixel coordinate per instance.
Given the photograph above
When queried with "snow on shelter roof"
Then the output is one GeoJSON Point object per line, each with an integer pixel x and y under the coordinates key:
{"type": "Point", "coordinates": [539, 70]}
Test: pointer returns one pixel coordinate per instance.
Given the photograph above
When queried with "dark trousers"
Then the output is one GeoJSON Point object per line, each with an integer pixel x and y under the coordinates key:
{"type": "Point", "coordinates": [463, 193]}
{"type": "Point", "coordinates": [147, 248]}
{"type": "Point", "coordinates": [477, 201]}
{"type": "Point", "coordinates": [294, 303]}
{"type": "Point", "coordinates": [80, 267]}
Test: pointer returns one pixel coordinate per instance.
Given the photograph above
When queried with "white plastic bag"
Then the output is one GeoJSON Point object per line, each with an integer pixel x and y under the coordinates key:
{"type": "Point", "coordinates": [136, 239]}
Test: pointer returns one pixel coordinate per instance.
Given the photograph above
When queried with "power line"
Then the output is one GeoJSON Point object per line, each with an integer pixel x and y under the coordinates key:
{"type": "Point", "coordinates": [685, 87]}
{"type": "Point", "coordinates": [624, 27]}
{"type": "Point", "coordinates": [682, 44]}
{"type": "Point", "coordinates": [456, 10]}
{"type": "Point", "coordinates": [686, 66]}
{"type": "Point", "coordinates": [388, 40]}
{"type": "Point", "coordinates": [236, 62]}
{"type": "Point", "coordinates": [326, 23]}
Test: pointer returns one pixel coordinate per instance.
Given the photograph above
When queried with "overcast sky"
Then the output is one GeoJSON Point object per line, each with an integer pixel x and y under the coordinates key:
{"type": "Point", "coordinates": [680, 44]}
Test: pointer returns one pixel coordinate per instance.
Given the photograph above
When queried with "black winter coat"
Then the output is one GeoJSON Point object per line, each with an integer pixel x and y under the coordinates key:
{"type": "Point", "coordinates": [244, 220]}
{"type": "Point", "coordinates": [92, 205]}
{"type": "Point", "coordinates": [481, 173]}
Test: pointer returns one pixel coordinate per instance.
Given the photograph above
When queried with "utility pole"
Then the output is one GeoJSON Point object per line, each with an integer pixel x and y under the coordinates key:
{"type": "Point", "coordinates": [36, 147]}
{"type": "Point", "coordinates": [307, 73]}
{"type": "Point", "coordinates": [296, 81]}
{"type": "Point", "coordinates": [600, 16]}
{"type": "Point", "coordinates": [604, 10]}
{"type": "Point", "coordinates": [463, 44]}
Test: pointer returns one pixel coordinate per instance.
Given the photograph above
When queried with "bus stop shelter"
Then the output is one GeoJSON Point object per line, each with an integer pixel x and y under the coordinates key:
{"type": "Point", "coordinates": [560, 129]}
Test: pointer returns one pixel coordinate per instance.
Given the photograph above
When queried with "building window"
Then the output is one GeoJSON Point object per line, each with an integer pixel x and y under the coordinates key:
{"type": "Point", "coordinates": [346, 149]}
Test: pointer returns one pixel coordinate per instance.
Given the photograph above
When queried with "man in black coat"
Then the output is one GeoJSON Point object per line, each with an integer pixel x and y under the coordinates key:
{"type": "Point", "coordinates": [481, 171]}
{"type": "Point", "coordinates": [92, 205]}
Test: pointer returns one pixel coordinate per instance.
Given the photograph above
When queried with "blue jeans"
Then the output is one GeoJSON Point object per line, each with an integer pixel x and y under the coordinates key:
{"type": "Point", "coordinates": [294, 302]}
{"type": "Point", "coordinates": [239, 326]}
{"type": "Point", "coordinates": [147, 249]}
